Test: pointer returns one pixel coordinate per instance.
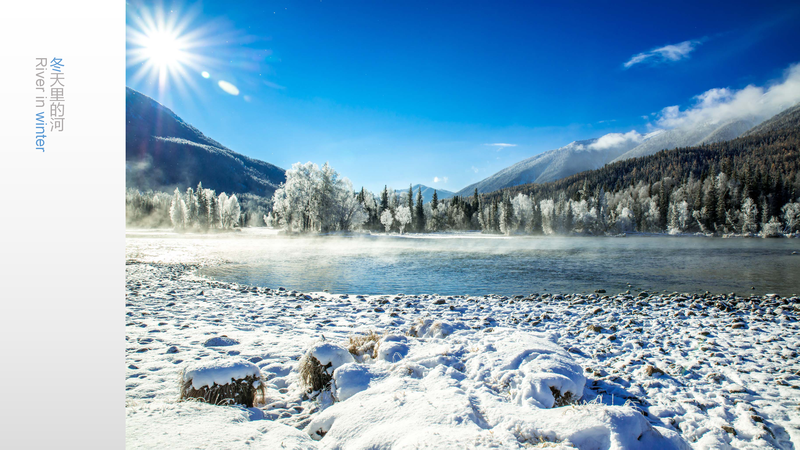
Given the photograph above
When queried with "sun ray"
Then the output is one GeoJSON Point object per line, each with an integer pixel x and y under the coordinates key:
{"type": "Point", "coordinates": [165, 49]}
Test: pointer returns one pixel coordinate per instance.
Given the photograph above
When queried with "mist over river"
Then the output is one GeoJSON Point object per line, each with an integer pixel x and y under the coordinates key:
{"type": "Point", "coordinates": [475, 264]}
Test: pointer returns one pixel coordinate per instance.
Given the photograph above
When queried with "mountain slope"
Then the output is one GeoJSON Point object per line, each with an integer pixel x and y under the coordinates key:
{"type": "Point", "coordinates": [706, 133]}
{"type": "Point", "coordinates": [163, 152]}
{"type": "Point", "coordinates": [788, 119]}
{"type": "Point", "coordinates": [552, 165]}
{"type": "Point", "coordinates": [427, 192]}
{"type": "Point", "coordinates": [768, 155]}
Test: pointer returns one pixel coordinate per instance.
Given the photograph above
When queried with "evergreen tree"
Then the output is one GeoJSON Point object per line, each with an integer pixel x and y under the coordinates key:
{"type": "Point", "coordinates": [202, 207]}
{"type": "Point", "coordinates": [213, 209]}
{"type": "Point", "coordinates": [419, 214]}
{"type": "Point", "coordinates": [494, 224]}
{"type": "Point", "coordinates": [191, 207]}
{"type": "Point", "coordinates": [384, 199]}
{"type": "Point", "coordinates": [569, 217]}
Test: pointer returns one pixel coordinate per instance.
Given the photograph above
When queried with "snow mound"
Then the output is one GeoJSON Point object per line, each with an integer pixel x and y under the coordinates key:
{"type": "Point", "coordinates": [431, 328]}
{"type": "Point", "coordinates": [330, 355]}
{"type": "Point", "coordinates": [219, 371]}
{"type": "Point", "coordinates": [392, 348]}
{"type": "Point", "coordinates": [220, 341]}
{"type": "Point", "coordinates": [601, 427]}
{"type": "Point", "coordinates": [476, 390]}
{"type": "Point", "coordinates": [352, 378]}
{"type": "Point", "coordinates": [532, 370]}
{"type": "Point", "coordinates": [200, 425]}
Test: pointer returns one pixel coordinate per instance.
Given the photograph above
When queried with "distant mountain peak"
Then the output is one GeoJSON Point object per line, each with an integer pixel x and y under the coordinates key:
{"type": "Point", "coordinates": [427, 192]}
{"type": "Point", "coordinates": [575, 157]}
{"type": "Point", "coordinates": [163, 152]}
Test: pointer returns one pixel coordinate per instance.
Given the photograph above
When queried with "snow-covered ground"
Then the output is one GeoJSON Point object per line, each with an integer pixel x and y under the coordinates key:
{"type": "Point", "coordinates": [599, 371]}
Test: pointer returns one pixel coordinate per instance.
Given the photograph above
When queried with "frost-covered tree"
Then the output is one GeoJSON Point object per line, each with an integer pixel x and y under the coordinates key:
{"type": "Point", "coordinates": [295, 203]}
{"type": "Point", "coordinates": [440, 216]}
{"type": "Point", "coordinates": [177, 211]}
{"type": "Point", "coordinates": [403, 217]}
{"type": "Point", "coordinates": [231, 212]}
{"type": "Point", "coordinates": [346, 208]}
{"type": "Point", "coordinates": [771, 228]}
{"type": "Point", "coordinates": [387, 219]}
{"type": "Point", "coordinates": [749, 216]}
{"type": "Point", "coordinates": [223, 197]}
{"type": "Point", "coordinates": [268, 220]}
{"type": "Point", "coordinates": [523, 213]}
{"type": "Point", "coordinates": [679, 217]}
{"type": "Point", "coordinates": [547, 207]}
{"type": "Point", "coordinates": [625, 221]}
{"type": "Point", "coordinates": [506, 214]}
{"type": "Point", "coordinates": [791, 216]}
{"type": "Point", "coordinates": [214, 213]}
{"type": "Point", "coordinates": [191, 207]}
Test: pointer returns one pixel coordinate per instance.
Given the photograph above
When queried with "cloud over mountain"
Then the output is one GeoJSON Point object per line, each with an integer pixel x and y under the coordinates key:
{"type": "Point", "coordinates": [724, 104]}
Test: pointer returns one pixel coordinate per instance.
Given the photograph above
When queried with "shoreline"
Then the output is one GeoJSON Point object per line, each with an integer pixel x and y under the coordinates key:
{"type": "Point", "coordinates": [474, 233]}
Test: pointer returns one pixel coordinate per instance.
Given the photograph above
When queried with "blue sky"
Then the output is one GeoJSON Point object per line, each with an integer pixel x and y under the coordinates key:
{"type": "Point", "coordinates": [399, 92]}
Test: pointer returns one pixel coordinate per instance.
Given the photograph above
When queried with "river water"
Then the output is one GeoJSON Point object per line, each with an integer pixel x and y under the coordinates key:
{"type": "Point", "coordinates": [474, 264]}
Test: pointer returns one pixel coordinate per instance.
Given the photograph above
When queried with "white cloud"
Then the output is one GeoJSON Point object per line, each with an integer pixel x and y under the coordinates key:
{"type": "Point", "coordinates": [724, 104]}
{"type": "Point", "coordinates": [475, 169]}
{"type": "Point", "coordinates": [616, 139]}
{"type": "Point", "coordinates": [501, 145]}
{"type": "Point", "coordinates": [672, 52]}
{"type": "Point", "coordinates": [437, 179]}
{"type": "Point", "coordinates": [445, 179]}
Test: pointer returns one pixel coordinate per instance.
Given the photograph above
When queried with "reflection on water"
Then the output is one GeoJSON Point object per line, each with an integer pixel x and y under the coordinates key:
{"type": "Point", "coordinates": [475, 264]}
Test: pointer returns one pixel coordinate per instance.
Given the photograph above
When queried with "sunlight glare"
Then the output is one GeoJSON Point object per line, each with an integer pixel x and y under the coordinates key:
{"type": "Point", "coordinates": [163, 49]}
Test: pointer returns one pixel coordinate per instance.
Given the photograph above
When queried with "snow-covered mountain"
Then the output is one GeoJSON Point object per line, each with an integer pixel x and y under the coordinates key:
{"type": "Point", "coordinates": [552, 165]}
{"type": "Point", "coordinates": [163, 152]}
{"type": "Point", "coordinates": [592, 154]}
{"type": "Point", "coordinates": [704, 133]}
{"type": "Point", "coordinates": [427, 193]}
{"type": "Point", "coordinates": [789, 118]}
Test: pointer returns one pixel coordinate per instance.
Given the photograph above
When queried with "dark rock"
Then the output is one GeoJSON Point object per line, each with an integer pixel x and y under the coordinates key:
{"type": "Point", "coordinates": [220, 341]}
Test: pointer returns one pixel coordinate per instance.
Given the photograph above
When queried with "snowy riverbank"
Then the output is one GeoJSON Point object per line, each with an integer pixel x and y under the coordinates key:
{"type": "Point", "coordinates": [657, 371]}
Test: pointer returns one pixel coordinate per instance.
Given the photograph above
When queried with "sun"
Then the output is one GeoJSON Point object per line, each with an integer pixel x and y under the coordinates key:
{"type": "Point", "coordinates": [165, 48]}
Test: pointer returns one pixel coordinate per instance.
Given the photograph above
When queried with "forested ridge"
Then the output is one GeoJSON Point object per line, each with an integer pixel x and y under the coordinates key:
{"type": "Point", "coordinates": [767, 163]}
{"type": "Point", "coordinates": [748, 185]}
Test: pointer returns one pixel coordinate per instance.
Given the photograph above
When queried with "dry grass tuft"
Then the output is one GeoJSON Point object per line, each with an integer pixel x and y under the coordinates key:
{"type": "Point", "coordinates": [313, 375]}
{"type": "Point", "coordinates": [562, 400]}
{"type": "Point", "coordinates": [249, 391]}
{"type": "Point", "coordinates": [364, 345]}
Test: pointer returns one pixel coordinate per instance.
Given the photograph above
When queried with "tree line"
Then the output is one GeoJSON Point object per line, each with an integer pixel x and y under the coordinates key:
{"type": "Point", "coordinates": [315, 199]}
{"type": "Point", "coordinates": [747, 185]}
{"type": "Point", "coordinates": [196, 209]}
